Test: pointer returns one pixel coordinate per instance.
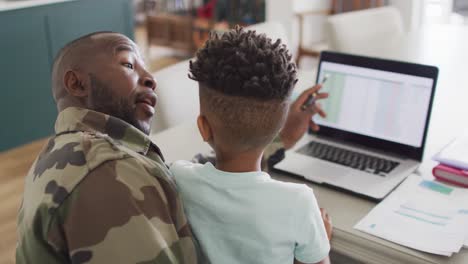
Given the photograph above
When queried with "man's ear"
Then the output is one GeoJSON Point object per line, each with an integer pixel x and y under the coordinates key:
{"type": "Point", "coordinates": [204, 128]}
{"type": "Point", "coordinates": [75, 84]}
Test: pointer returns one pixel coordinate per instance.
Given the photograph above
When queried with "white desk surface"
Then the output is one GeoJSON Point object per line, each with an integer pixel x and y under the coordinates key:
{"type": "Point", "coordinates": [443, 46]}
{"type": "Point", "coordinates": [12, 5]}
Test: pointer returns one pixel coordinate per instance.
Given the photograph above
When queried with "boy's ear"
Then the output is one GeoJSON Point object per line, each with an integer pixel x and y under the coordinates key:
{"type": "Point", "coordinates": [204, 128]}
{"type": "Point", "coordinates": [75, 84]}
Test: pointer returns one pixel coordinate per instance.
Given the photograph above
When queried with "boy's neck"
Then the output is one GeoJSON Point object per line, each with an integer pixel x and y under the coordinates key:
{"type": "Point", "coordinates": [241, 162]}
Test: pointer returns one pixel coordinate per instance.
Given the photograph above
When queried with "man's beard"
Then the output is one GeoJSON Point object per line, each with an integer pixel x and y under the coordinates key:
{"type": "Point", "coordinates": [102, 99]}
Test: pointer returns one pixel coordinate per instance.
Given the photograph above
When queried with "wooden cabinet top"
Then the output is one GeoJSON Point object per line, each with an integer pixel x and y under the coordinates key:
{"type": "Point", "coordinates": [6, 5]}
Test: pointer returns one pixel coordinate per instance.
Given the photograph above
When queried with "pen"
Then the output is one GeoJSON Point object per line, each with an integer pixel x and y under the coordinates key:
{"type": "Point", "coordinates": [311, 99]}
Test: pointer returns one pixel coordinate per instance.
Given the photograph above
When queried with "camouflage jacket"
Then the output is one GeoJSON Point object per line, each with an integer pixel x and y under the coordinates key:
{"type": "Point", "coordinates": [99, 192]}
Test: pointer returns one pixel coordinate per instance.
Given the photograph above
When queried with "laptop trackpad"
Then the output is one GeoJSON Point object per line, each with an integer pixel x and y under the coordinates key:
{"type": "Point", "coordinates": [321, 171]}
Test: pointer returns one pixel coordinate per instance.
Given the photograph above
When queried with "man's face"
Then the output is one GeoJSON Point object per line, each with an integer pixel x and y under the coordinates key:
{"type": "Point", "coordinates": [120, 84]}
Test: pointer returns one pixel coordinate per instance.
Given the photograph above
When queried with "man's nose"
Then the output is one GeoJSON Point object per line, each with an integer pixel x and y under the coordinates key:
{"type": "Point", "coordinates": [149, 82]}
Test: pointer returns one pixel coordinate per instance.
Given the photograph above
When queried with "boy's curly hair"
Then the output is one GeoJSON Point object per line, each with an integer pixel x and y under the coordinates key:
{"type": "Point", "coordinates": [245, 81]}
{"type": "Point", "coordinates": [244, 63]}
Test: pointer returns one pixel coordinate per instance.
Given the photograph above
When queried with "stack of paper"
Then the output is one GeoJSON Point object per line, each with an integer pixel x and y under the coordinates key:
{"type": "Point", "coordinates": [423, 215]}
{"type": "Point", "coordinates": [455, 154]}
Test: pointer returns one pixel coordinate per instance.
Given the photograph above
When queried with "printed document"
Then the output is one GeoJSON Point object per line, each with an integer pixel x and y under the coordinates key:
{"type": "Point", "coordinates": [423, 215]}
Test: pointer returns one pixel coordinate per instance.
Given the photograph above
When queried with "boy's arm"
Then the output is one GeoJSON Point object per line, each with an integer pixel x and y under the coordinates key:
{"type": "Point", "coordinates": [297, 123]}
{"type": "Point", "coordinates": [299, 120]}
{"type": "Point", "coordinates": [329, 228]}
{"type": "Point", "coordinates": [313, 230]}
{"type": "Point", "coordinates": [327, 222]}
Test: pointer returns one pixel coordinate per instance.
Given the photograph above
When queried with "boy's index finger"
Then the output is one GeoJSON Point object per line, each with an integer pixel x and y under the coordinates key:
{"type": "Point", "coordinates": [305, 94]}
{"type": "Point", "coordinates": [317, 87]}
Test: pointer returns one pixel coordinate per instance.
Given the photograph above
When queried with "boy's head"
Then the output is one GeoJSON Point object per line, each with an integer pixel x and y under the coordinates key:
{"type": "Point", "coordinates": [245, 81]}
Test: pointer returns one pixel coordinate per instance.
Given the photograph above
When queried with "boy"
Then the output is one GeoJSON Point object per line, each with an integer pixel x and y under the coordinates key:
{"type": "Point", "coordinates": [237, 212]}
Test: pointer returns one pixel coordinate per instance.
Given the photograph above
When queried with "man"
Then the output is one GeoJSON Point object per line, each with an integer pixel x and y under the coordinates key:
{"type": "Point", "coordinates": [99, 192]}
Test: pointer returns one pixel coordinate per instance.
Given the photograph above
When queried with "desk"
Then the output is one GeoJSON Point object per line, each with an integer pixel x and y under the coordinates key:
{"type": "Point", "coordinates": [443, 46]}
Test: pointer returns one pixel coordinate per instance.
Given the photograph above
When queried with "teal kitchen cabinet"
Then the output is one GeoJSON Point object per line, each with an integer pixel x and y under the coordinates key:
{"type": "Point", "coordinates": [27, 109]}
{"type": "Point", "coordinates": [29, 40]}
{"type": "Point", "coordinates": [78, 18]}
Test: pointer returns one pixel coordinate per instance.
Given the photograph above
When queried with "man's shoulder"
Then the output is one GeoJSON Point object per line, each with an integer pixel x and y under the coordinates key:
{"type": "Point", "coordinates": [64, 162]}
{"type": "Point", "coordinates": [107, 188]}
{"type": "Point", "coordinates": [74, 153]}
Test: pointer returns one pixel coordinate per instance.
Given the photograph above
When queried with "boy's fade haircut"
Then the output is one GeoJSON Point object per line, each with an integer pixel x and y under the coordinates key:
{"type": "Point", "coordinates": [245, 82]}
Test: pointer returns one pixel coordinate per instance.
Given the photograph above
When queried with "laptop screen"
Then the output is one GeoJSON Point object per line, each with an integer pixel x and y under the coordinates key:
{"type": "Point", "coordinates": [386, 101]}
{"type": "Point", "coordinates": [380, 104]}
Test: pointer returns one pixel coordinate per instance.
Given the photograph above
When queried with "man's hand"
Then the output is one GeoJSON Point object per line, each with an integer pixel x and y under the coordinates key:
{"type": "Point", "coordinates": [299, 120]}
{"type": "Point", "coordinates": [327, 222]}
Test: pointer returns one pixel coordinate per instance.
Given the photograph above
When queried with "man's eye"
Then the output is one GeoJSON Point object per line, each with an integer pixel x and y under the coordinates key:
{"type": "Point", "coordinates": [128, 65]}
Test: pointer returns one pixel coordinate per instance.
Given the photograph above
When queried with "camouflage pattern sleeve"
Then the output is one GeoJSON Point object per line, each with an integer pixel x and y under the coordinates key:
{"type": "Point", "coordinates": [115, 217]}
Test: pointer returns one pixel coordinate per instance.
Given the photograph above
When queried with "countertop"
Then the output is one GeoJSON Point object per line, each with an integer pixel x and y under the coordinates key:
{"type": "Point", "coordinates": [15, 4]}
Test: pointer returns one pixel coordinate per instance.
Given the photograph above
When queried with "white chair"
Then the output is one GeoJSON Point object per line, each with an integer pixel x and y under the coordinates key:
{"type": "Point", "coordinates": [353, 31]}
{"type": "Point", "coordinates": [178, 95]}
{"type": "Point", "coordinates": [313, 12]}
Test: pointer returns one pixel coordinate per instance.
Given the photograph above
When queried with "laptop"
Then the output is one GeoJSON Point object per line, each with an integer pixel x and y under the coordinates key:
{"type": "Point", "coordinates": [374, 134]}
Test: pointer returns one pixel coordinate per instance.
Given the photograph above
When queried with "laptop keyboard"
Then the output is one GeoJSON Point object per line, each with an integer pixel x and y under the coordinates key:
{"type": "Point", "coordinates": [355, 160]}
